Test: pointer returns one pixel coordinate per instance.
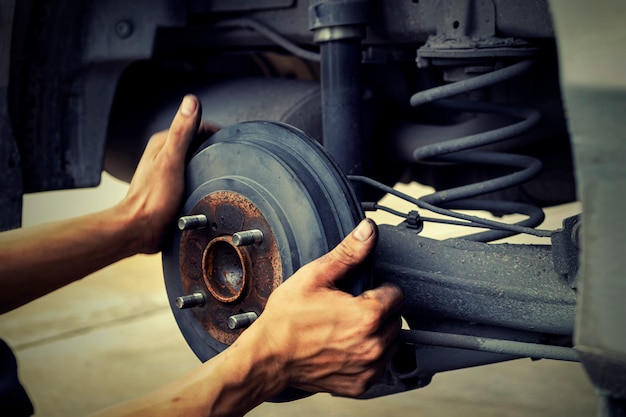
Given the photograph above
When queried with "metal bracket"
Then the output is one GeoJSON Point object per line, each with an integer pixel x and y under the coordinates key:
{"type": "Point", "coordinates": [566, 248]}
{"type": "Point", "coordinates": [467, 29]}
{"type": "Point", "coordinates": [414, 221]}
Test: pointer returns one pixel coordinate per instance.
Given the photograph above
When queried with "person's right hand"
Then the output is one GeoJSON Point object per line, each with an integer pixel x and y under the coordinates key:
{"type": "Point", "coordinates": [324, 339]}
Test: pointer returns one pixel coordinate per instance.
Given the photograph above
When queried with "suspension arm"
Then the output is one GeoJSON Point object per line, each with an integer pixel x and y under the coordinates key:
{"type": "Point", "coordinates": [503, 285]}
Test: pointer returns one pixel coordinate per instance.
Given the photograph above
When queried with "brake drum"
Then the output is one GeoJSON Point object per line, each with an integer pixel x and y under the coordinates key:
{"type": "Point", "coordinates": [262, 199]}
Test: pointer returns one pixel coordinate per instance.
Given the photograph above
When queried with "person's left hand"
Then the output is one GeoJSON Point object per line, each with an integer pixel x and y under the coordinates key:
{"type": "Point", "coordinates": [156, 188]}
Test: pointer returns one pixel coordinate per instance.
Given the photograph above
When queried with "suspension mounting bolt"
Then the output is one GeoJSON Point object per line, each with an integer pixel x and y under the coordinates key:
{"type": "Point", "coordinates": [247, 237]}
{"type": "Point", "coordinates": [241, 321]}
{"type": "Point", "coordinates": [188, 301]}
{"type": "Point", "coordinates": [124, 28]}
{"type": "Point", "coordinates": [191, 222]}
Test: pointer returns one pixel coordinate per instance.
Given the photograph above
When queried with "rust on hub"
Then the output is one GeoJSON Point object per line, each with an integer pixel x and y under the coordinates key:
{"type": "Point", "coordinates": [226, 268]}
{"type": "Point", "coordinates": [235, 279]}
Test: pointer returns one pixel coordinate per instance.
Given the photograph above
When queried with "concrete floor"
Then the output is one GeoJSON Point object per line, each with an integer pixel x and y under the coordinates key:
{"type": "Point", "coordinates": [111, 337]}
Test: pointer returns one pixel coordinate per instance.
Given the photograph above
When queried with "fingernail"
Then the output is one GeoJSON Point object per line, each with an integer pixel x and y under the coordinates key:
{"type": "Point", "coordinates": [363, 231]}
{"type": "Point", "coordinates": [189, 105]}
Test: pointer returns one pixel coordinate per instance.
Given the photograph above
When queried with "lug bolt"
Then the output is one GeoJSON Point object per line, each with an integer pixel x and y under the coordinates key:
{"type": "Point", "coordinates": [241, 321]}
{"type": "Point", "coordinates": [247, 237]}
{"type": "Point", "coordinates": [195, 221]}
{"type": "Point", "coordinates": [188, 301]}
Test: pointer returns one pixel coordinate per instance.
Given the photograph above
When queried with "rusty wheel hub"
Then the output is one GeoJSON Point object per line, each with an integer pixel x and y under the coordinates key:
{"type": "Point", "coordinates": [232, 278]}
{"type": "Point", "coordinates": [262, 199]}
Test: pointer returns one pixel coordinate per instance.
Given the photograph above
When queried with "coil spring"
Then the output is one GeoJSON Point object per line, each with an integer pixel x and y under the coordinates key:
{"type": "Point", "coordinates": [458, 151]}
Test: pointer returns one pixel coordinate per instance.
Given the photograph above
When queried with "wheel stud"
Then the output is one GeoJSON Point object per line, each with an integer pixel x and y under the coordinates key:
{"type": "Point", "coordinates": [188, 301]}
{"type": "Point", "coordinates": [241, 321]}
{"type": "Point", "coordinates": [195, 221]}
{"type": "Point", "coordinates": [247, 237]}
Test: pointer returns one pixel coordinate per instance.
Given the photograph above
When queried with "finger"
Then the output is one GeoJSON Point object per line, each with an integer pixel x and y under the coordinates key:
{"type": "Point", "coordinates": [154, 146]}
{"type": "Point", "coordinates": [384, 363]}
{"type": "Point", "coordinates": [349, 253]}
{"type": "Point", "coordinates": [388, 299]}
{"type": "Point", "coordinates": [388, 333]}
{"type": "Point", "coordinates": [343, 384]}
{"type": "Point", "coordinates": [387, 338]}
{"type": "Point", "coordinates": [205, 130]}
{"type": "Point", "coordinates": [184, 127]}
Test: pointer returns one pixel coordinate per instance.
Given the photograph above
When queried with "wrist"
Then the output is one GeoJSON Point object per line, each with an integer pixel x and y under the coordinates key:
{"type": "Point", "coordinates": [266, 362]}
{"type": "Point", "coordinates": [129, 228]}
{"type": "Point", "coordinates": [144, 222]}
{"type": "Point", "coordinates": [241, 377]}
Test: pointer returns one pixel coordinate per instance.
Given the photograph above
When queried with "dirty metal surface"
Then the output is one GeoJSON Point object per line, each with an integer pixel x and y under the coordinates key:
{"type": "Point", "coordinates": [234, 279]}
{"type": "Point", "coordinates": [250, 178]}
{"type": "Point", "coordinates": [254, 176]}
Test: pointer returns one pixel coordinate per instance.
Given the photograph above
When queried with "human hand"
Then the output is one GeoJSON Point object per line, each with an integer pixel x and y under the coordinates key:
{"type": "Point", "coordinates": [157, 186]}
{"type": "Point", "coordinates": [324, 339]}
{"type": "Point", "coordinates": [311, 336]}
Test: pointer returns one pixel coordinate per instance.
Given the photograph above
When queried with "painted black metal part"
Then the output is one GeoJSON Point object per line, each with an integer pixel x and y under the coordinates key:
{"type": "Point", "coordinates": [510, 286]}
{"type": "Point", "coordinates": [300, 191]}
{"type": "Point", "coordinates": [485, 344]}
{"type": "Point", "coordinates": [294, 102]}
{"type": "Point", "coordinates": [566, 249]}
{"type": "Point", "coordinates": [462, 150]}
{"type": "Point", "coordinates": [338, 27]}
{"type": "Point", "coordinates": [471, 304]}
{"type": "Point", "coordinates": [67, 58]}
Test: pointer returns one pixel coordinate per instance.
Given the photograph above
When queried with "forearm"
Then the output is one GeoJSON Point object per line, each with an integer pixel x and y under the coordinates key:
{"type": "Point", "coordinates": [37, 260]}
{"type": "Point", "coordinates": [310, 336]}
{"type": "Point", "coordinates": [229, 385]}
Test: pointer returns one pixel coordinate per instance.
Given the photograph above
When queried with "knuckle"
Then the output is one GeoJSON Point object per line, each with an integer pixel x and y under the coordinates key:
{"type": "Point", "coordinates": [356, 390]}
{"type": "Point", "coordinates": [373, 352]}
{"type": "Point", "coordinates": [157, 139]}
{"type": "Point", "coordinates": [363, 382]}
{"type": "Point", "coordinates": [178, 129]}
{"type": "Point", "coordinates": [370, 320]}
{"type": "Point", "coordinates": [182, 127]}
{"type": "Point", "coordinates": [344, 253]}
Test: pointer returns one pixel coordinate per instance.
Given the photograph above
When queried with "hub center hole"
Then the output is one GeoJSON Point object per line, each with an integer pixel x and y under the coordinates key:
{"type": "Point", "coordinates": [224, 271]}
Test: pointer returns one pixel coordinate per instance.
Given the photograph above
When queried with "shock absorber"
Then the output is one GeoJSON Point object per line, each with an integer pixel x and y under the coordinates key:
{"type": "Point", "coordinates": [338, 27]}
{"type": "Point", "coordinates": [461, 150]}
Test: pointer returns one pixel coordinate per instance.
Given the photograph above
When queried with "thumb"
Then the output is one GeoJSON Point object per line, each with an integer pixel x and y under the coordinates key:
{"type": "Point", "coordinates": [348, 254]}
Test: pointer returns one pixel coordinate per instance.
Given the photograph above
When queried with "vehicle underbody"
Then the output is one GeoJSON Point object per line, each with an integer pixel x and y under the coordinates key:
{"type": "Point", "coordinates": [501, 106]}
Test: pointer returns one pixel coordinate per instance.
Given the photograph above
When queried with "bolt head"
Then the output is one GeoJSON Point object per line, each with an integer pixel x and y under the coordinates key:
{"type": "Point", "coordinates": [124, 28]}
